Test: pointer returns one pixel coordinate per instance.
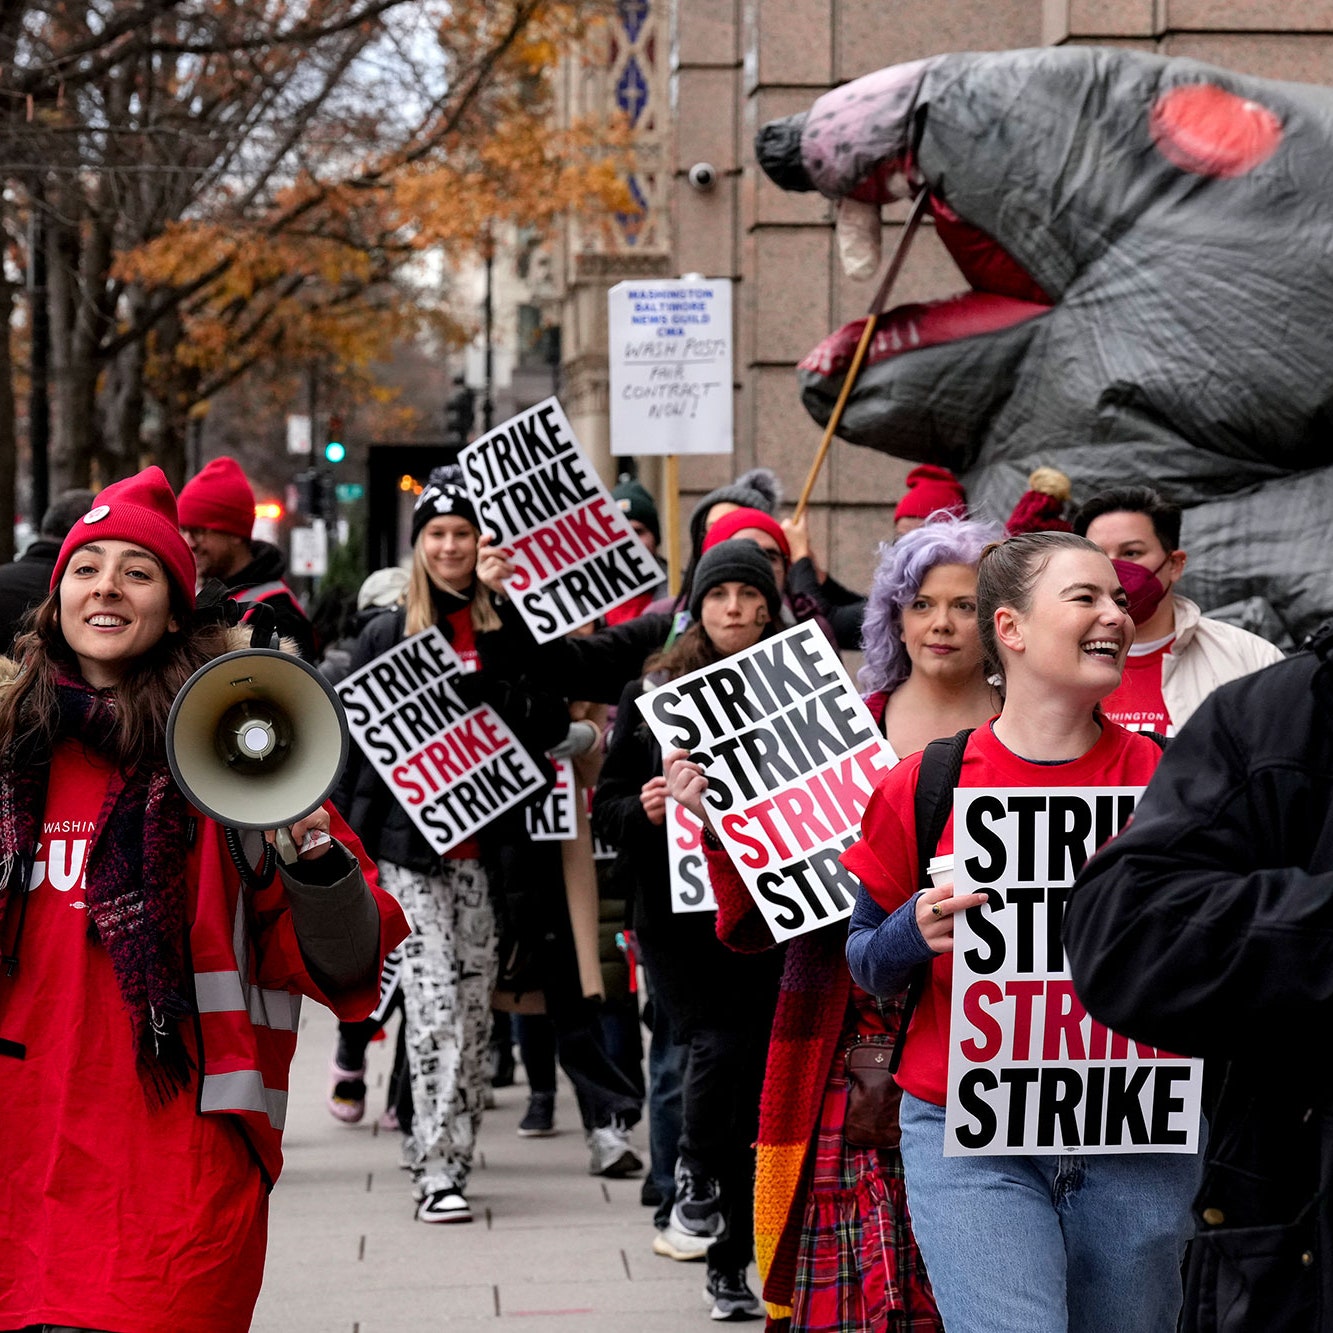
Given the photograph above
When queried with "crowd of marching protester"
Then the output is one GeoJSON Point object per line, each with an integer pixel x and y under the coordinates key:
{"type": "Point", "coordinates": [146, 1027]}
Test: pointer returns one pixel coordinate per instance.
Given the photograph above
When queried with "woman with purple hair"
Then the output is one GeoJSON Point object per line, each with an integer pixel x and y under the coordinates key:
{"type": "Point", "coordinates": [832, 1237]}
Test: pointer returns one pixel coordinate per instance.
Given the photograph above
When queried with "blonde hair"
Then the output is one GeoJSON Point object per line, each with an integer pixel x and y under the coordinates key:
{"type": "Point", "coordinates": [421, 606]}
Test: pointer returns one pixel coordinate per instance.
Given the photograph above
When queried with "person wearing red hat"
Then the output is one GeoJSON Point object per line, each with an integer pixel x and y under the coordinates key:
{"type": "Point", "coordinates": [929, 489]}
{"type": "Point", "coordinates": [762, 529]}
{"type": "Point", "coordinates": [148, 1001]}
{"type": "Point", "coordinates": [217, 513]}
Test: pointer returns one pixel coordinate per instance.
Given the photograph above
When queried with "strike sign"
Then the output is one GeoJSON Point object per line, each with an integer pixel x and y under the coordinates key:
{"type": "Point", "coordinates": [691, 889]}
{"type": "Point", "coordinates": [452, 767]}
{"type": "Point", "coordinates": [1030, 1071]}
{"type": "Point", "coordinates": [554, 818]}
{"type": "Point", "coordinates": [575, 554]}
{"type": "Point", "coordinates": [791, 756]}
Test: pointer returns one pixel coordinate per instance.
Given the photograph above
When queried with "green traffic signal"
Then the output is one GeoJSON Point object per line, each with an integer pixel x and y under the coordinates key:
{"type": "Point", "coordinates": [335, 452]}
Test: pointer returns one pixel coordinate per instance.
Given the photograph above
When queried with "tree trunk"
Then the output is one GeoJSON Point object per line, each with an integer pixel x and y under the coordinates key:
{"type": "Point", "coordinates": [8, 440]}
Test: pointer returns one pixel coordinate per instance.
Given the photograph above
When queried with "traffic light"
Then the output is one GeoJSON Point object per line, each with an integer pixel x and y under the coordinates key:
{"type": "Point", "coordinates": [335, 451]}
{"type": "Point", "coordinates": [310, 493]}
{"type": "Point", "coordinates": [458, 414]}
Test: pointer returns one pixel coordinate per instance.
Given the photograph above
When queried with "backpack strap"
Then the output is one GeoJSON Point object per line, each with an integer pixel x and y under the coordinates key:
{"type": "Point", "coordinates": [941, 765]}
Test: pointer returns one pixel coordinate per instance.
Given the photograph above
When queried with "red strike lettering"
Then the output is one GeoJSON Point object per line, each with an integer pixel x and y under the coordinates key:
{"type": "Point", "coordinates": [449, 758]}
{"type": "Point", "coordinates": [977, 995]}
{"type": "Point", "coordinates": [568, 539]}
{"type": "Point", "coordinates": [689, 831]}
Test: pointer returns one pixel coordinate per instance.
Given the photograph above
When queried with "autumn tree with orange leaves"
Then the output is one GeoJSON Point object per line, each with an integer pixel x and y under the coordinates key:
{"type": "Point", "coordinates": [232, 188]}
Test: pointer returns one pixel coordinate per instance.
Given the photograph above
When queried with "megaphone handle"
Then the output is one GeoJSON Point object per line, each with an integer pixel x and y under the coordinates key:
{"type": "Point", "coordinates": [286, 847]}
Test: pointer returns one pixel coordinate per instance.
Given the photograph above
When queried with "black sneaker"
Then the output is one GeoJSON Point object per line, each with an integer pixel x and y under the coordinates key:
{"type": "Point", "coordinates": [698, 1206]}
{"type": "Point", "coordinates": [730, 1296]}
{"type": "Point", "coordinates": [649, 1195]}
{"type": "Point", "coordinates": [539, 1122]}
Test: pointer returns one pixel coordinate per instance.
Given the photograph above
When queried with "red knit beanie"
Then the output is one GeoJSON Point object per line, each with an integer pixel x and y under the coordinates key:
{"type": "Point", "coordinates": [219, 497]}
{"type": "Point", "coordinates": [1041, 507]}
{"type": "Point", "coordinates": [141, 509]}
{"type": "Point", "coordinates": [930, 488]}
{"type": "Point", "coordinates": [730, 524]}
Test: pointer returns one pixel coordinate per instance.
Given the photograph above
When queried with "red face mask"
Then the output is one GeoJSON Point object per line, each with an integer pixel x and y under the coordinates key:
{"type": "Point", "coordinates": [1143, 588]}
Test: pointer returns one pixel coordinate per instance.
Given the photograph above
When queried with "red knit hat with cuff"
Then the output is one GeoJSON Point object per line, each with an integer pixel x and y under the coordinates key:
{"type": "Point", "coordinates": [1041, 508]}
{"type": "Point", "coordinates": [738, 520]}
{"type": "Point", "coordinates": [219, 497]}
{"type": "Point", "coordinates": [930, 488]}
{"type": "Point", "coordinates": [141, 509]}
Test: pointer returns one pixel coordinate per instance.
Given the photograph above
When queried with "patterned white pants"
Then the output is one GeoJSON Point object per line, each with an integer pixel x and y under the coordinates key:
{"type": "Point", "coordinates": [450, 963]}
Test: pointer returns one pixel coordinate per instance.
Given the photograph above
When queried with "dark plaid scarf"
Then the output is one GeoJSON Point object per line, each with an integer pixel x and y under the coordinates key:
{"type": "Point", "coordinates": [134, 882]}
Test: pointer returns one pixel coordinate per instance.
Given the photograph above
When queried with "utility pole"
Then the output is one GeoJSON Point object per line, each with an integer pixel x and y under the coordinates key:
{"type": "Point", "coordinates": [39, 390]}
{"type": "Point", "coordinates": [488, 402]}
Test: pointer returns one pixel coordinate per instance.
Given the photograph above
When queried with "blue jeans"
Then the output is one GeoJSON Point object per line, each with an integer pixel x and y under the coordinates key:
{"type": "Point", "coordinates": [1048, 1244]}
{"type": "Point", "coordinates": [666, 1100]}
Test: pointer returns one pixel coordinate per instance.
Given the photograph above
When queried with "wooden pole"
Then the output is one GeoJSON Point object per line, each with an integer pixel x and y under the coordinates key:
{"type": "Point", "coordinates": [672, 489]}
{"type": "Point", "coordinates": [862, 348]}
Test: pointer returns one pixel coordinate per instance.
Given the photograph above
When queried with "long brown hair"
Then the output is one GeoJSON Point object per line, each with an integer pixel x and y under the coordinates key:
{"type": "Point", "coordinates": [30, 704]}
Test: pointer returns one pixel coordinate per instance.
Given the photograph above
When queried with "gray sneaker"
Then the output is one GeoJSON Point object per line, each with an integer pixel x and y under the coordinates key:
{"type": "Point", "coordinates": [611, 1153]}
{"type": "Point", "coordinates": [672, 1243]}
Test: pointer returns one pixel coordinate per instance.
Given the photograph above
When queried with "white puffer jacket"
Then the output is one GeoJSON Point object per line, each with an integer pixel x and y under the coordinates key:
{"type": "Point", "coordinates": [1206, 654]}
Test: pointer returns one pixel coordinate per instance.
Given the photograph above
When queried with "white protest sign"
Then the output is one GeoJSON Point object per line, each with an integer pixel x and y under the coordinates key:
{"type": "Point", "coordinates": [691, 889]}
{"type": "Point", "coordinates": [1029, 1070]}
{"type": "Point", "coordinates": [554, 818]}
{"type": "Point", "coordinates": [670, 363]}
{"type": "Point", "coordinates": [601, 851]}
{"type": "Point", "coordinates": [575, 553]}
{"type": "Point", "coordinates": [791, 756]}
{"type": "Point", "coordinates": [310, 550]}
{"type": "Point", "coordinates": [452, 767]}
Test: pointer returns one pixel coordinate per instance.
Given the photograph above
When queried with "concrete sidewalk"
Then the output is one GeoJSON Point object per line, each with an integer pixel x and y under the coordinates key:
{"type": "Point", "coordinates": [552, 1247]}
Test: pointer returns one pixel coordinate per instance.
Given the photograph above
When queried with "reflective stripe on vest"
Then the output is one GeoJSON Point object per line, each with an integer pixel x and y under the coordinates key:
{"type": "Point", "coordinates": [261, 592]}
{"type": "Point", "coordinates": [223, 993]}
{"type": "Point", "coordinates": [244, 1090]}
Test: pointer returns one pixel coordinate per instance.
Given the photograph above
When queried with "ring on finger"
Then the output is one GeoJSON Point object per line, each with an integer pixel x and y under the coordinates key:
{"type": "Point", "coordinates": [935, 910]}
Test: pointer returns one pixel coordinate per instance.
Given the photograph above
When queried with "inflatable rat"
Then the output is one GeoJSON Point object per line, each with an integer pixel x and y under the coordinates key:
{"type": "Point", "coordinates": [1149, 247]}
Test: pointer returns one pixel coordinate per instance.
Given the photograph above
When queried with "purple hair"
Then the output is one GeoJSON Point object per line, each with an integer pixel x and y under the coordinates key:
{"type": "Point", "coordinates": [902, 569]}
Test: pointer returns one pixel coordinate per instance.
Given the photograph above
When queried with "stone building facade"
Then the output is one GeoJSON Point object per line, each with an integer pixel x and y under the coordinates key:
{"type": "Point", "coordinates": [699, 76]}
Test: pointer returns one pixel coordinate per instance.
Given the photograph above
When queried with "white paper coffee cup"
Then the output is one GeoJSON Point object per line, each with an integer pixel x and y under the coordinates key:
{"type": "Point", "coordinates": [940, 870]}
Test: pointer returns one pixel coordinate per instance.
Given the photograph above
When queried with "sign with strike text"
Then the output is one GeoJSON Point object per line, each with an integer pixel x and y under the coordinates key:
{"type": "Point", "coordinates": [1030, 1071]}
{"type": "Point", "coordinates": [691, 889]}
{"type": "Point", "coordinates": [451, 766]}
{"type": "Point", "coordinates": [670, 364]}
{"type": "Point", "coordinates": [575, 554]}
{"type": "Point", "coordinates": [791, 755]}
{"type": "Point", "coordinates": [554, 819]}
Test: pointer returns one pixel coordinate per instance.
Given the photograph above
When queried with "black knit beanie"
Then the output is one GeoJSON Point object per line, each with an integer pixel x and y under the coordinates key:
{"type": "Point", "coordinates": [445, 495]}
{"type": "Point", "coordinates": [736, 561]}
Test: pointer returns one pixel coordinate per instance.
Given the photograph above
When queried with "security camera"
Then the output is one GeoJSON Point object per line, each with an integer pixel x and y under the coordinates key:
{"type": "Point", "coordinates": [703, 176]}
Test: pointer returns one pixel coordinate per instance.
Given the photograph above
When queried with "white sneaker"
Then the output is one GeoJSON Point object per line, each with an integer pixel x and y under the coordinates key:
{"type": "Point", "coordinates": [611, 1153]}
{"type": "Point", "coordinates": [673, 1243]}
{"type": "Point", "coordinates": [444, 1206]}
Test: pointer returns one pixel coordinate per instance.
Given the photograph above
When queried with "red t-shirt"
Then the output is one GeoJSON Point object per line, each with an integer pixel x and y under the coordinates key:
{"type": "Point", "coordinates": [115, 1216]}
{"type": "Point", "coordinates": [885, 859]}
{"type": "Point", "coordinates": [1137, 703]}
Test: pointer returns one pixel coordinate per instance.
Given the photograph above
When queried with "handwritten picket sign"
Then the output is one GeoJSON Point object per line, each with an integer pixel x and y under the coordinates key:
{"type": "Point", "coordinates": [791, 755]}
{"type": "Point", "coordinates": [575, 555]}
{"type": "Point", "coordinates": [553, 819]}
{"type": "Point", "coordinates": [691, 889]}
{"type": "Point", "coordinates": [451, 766]}
{"type": "Point", "coordinates": [1030, 1071]}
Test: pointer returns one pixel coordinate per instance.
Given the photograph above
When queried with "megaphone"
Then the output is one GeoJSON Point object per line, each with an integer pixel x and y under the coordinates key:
{"type": "Point", "coordinates": [256, 740]}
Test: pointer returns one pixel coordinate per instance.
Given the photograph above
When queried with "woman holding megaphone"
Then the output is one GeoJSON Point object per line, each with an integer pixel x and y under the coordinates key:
{"type": "Point", "coordinates": [451, 962]}
{"type": "Point", "coordinates": [148, 1003]}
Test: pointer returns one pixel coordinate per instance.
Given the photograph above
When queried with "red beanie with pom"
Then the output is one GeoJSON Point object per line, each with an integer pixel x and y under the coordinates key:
{"type": "Point", "coordinates": [142, 510]}
{"type": "Point", "coordinates": [738, 520]}
{"type": "Point", "coordinates": [219, 497]}
{"type": "Point", "coordinates": [930, 488]}
{"type": "Point", "coordinates": [1041, 507]}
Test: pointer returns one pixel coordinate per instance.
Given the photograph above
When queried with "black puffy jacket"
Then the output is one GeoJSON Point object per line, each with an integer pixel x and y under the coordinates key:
{"type": "Point", "coordinates": [1206, 928]}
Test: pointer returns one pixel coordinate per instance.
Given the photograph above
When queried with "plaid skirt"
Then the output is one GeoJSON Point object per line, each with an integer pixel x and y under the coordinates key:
{"type": "Point", "coordinates": [858, 1269]}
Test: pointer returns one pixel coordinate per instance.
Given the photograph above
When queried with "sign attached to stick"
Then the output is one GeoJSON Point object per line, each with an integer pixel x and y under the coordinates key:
{"type": "Point", "coordinates": [452, 767]}
{"type": "Point", "coordinates": [1030, 1071]}
{"type": "Point", "coordinates": [575, 554]}
{"type": "Point", "coordinates": [553, 819]}
{"type": "Point", "coordinates": [671, 366]}
{"type": "Point", "coordinates": [691, 889]}
{"type": "Point", "coordinates": [791, 756]}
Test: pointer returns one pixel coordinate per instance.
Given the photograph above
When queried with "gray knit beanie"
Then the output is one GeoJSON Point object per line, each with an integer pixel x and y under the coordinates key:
{"type": "Point", "coordinates": [736, 561]}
